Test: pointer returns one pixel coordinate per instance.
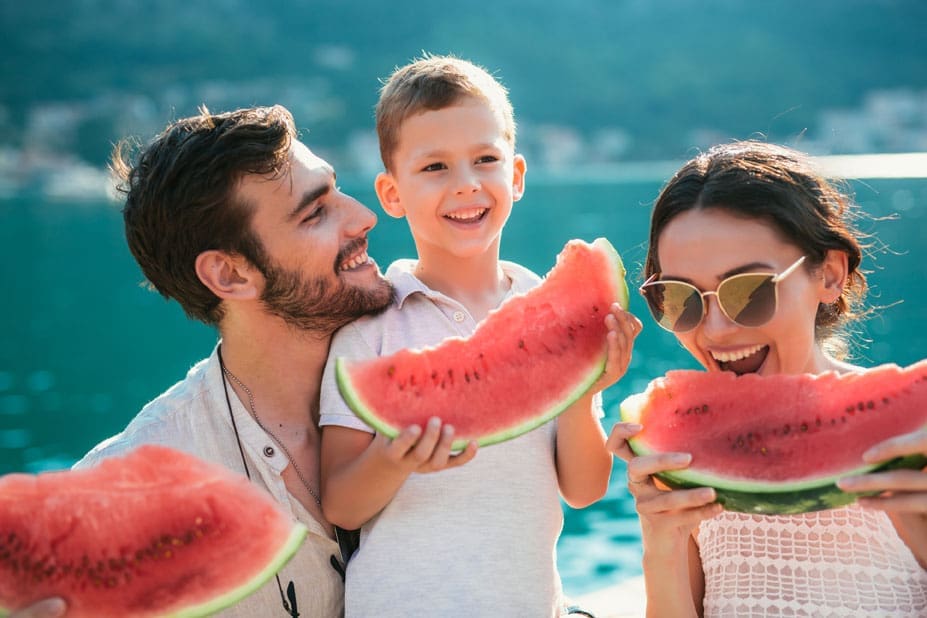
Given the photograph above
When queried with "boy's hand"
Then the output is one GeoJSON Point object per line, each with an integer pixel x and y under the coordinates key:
{"type": "Point", "coordinates": [623, 328]}
{"type": "Point", "coordinates": [430, 451]}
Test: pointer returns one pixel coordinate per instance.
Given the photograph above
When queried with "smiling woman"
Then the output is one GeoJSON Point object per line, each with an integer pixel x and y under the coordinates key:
{"type": "Point", "coordinates": [754, 267]}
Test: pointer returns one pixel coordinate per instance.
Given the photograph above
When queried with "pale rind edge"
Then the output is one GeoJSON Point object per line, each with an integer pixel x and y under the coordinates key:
{"type": "Point", "coordinates": [287, 551]}
{"type": "Point", "coordinates": [596, 370]}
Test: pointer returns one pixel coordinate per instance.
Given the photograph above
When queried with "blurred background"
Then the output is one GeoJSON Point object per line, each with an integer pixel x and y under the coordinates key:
{"type": "Point", "coordinates": [610, 96]}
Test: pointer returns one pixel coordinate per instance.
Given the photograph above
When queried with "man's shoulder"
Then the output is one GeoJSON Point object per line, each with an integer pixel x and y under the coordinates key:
{"type": "Point", "coordinates": [184, 397]}
{"type": "Point", "coordinates": [171, 419]}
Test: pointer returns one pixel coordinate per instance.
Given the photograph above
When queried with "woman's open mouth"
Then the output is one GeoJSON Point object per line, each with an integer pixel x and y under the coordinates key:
{"type": "Point", "coordinates": [745, 360]}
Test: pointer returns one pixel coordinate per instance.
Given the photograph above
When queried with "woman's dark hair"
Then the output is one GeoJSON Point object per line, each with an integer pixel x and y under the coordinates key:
{"type": "Point", "coordinates": [781, 186]}
{"type": "Point", "coordinates": [181, 196]}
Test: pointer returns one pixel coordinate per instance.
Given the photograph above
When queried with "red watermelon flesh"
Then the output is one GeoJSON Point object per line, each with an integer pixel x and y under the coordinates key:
{"type": "Point", "coordinates": [779, 434]}
{"type": "Point", "coordinates": [156, 532]}
{"type": "Point", "coordinates": [524, 364]}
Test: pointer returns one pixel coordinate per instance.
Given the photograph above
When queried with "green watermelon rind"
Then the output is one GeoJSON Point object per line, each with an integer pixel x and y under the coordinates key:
{"type": "Point", "coordinates": [776, 499]}
{"type": "Point", "coordinates": [349, 394]}
{"type": "Point", "coordinates": [284, 554]}
{"type": "Point", "coordinates": [752, 496]}
{"type": "Point", "coordinates": [621, 284]}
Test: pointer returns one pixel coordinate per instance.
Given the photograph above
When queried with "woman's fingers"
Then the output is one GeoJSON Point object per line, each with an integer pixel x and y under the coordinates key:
{"type": "Point", "coordinates": [894, 480]}
{"type": "Point", "coordinates": [641, 468]}
{"type": "Point", "coordinates": [678, 500]}
{"type": "Point", "coordinates": [617, 443]}
{"type": "Point", "coordinates": [906, 444]}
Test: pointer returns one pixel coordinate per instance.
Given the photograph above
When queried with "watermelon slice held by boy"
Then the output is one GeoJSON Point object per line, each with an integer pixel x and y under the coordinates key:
{"type": "Point", "coordinates": [525, 363]}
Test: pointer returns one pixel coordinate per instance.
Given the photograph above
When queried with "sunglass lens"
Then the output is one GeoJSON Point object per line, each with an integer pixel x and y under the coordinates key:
{"type": "Point", "coordinates": [675, 306]}
{"type": "Point", "coordinates": [749, 300]}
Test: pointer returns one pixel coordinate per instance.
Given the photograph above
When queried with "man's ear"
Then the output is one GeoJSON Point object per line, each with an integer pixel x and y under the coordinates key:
{"type": "Point", "coordinates": [228, 276]}
{"type": "Point", "coordinates": [518, 179]}
{"type": "Point", "coordinates": [388, 194]}
{"type": "Point", "coordinates": [834, 272]}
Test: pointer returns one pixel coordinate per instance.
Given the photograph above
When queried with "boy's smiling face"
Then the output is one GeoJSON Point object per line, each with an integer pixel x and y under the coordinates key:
{"type": "Point", "coordinates": [454, 177]}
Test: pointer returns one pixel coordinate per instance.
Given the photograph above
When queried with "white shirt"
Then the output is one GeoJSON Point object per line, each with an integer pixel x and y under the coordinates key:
{"type": "Point", "coordinates": [844, 562]}
{"type": "Point", "coordinates": [193, 416]}
{"type": "Point", "coordinates": [478, 540]}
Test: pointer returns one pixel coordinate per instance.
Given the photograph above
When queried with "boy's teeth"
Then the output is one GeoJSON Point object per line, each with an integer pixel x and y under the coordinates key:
{"type": "Point", "coordinates": [470, 213]}
{"type": "Point", "coordinates": [728, 357]}
{"type": "Point", "coordinates": [355, 261]}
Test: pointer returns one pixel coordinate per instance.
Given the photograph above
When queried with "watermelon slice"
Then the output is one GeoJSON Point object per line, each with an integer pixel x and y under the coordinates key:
{"type": "Point", "coordinates": [154, 533]}
{"type": "Point", "coordinates": [777, 444]}
{"type": "Point", "coordinates": [523, 365]}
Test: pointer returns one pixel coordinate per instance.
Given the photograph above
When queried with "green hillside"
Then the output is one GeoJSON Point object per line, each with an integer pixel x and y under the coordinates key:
{"type": "Point", "coordinates": [647, 77]}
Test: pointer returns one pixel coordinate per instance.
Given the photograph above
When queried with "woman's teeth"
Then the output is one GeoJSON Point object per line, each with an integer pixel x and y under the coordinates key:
{"type": "Point", "coordinates": [736, 355]}
{"type": "Point", "coordinates": [354, 262]}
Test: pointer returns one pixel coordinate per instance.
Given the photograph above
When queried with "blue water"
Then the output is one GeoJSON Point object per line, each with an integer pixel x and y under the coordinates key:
{"type": "Point", "coordinates": [84, 345]}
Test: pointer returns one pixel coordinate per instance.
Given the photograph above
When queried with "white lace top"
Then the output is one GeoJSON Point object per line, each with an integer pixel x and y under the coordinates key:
{"type": "Point", "coordinates": [840, 562]}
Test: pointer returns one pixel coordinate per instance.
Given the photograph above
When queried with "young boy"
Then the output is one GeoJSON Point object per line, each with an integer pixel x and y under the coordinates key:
{"type": "Point", "coordinates": [478, 539]}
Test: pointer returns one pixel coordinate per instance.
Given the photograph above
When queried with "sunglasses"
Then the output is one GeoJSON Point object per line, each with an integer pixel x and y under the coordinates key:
{"type": "Point", "coordinates": [747, 299]}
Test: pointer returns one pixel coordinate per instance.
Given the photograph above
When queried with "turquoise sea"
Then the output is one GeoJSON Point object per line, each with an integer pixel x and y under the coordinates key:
{"type": "Point", "coordinates": [85, 345]}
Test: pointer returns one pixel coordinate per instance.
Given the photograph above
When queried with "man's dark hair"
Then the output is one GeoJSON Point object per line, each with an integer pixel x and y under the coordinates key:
{"type": "Point", "coordinates": [181, 196]}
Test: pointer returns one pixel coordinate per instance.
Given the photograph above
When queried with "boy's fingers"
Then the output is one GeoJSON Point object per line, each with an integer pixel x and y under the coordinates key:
{"type": "Point", "coordinates": [442, 450]}
{"type": "Point", "coordinates": [463, 456]}
{"type": "Point", "coordinates": [426, 444]}
{"type": "Point", "coordinates": [400, 446]}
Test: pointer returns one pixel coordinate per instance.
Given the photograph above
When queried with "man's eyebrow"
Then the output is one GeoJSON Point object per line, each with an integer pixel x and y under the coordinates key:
{"type": "Point", "coordinates": [307, 199]}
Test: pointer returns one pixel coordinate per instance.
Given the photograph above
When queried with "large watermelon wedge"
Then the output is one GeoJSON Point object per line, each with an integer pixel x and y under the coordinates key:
{"type": "Point", "coordinates": [154, 533]}
{"type": "Point", "coordinates": [777, 444]}
{"type": "Point", "coordinates": [526, 362]}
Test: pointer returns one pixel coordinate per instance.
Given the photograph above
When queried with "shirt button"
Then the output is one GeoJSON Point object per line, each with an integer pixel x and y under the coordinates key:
{"type": "Point", "coordinates": [268, 451]}
{"type": "Point", "coordinates": [459, 316]}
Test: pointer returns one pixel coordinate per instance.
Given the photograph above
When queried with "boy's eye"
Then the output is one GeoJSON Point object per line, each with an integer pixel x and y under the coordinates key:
{"type": "Point", "coordinates": [487, 159]}
{"type": "Point", "coordinates": [434, 167]}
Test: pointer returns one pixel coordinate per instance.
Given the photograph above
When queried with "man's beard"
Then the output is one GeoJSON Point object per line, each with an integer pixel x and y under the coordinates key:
{"type": "Point", "coordinates": [316, 304]}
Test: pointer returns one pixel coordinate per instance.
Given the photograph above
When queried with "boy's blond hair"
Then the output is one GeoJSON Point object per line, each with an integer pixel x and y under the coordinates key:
{"type": "Point", "coordinates": [433, 83]}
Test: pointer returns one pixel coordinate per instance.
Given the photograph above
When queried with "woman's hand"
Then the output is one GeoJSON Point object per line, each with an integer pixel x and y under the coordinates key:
{"type": "Point", "coordinates": [667, 517]}
{"type": "Point", "coordinates": [673, 575]}
{"type": "Point", "coordinates": [902, 493]}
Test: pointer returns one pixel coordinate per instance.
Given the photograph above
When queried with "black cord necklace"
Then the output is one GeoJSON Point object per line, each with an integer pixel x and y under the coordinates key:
{"type": "Point", "coordinates": [291, 606]}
